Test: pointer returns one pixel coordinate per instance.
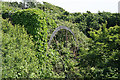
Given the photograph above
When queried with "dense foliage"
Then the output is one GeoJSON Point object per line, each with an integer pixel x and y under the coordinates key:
{"type": "Point", "coordinates": [26, 31]}
{"type": "Point", "coordinates": [20, 58]}
{"type": "Point", "coordinates": [35, 24]}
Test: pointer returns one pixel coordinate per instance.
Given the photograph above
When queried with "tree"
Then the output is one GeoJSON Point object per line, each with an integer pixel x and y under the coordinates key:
{"type": "Point", "coordinates": [25, 2]}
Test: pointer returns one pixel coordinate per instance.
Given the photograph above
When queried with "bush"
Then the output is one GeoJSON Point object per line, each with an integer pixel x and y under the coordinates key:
{"type": "Point", "coordinates": [18, 52]}
{"type": "Point", "coordinates": [34, 21]}
{"type": "Point", "coordinates": [101, 61]}
{"type": "Point", "coordinates": [20, 59]}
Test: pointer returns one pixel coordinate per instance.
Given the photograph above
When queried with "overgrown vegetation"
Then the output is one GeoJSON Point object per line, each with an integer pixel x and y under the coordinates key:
{"type": "Point", "coordinates": [25, 36]}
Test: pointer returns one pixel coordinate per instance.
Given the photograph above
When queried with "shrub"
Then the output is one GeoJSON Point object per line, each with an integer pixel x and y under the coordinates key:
{"type": "Point", "coordinates": [18, 52]}
{"type": "Point", "coordinates": [34, 21]}
{"type": "Point", "coordinates": [19, 57]}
